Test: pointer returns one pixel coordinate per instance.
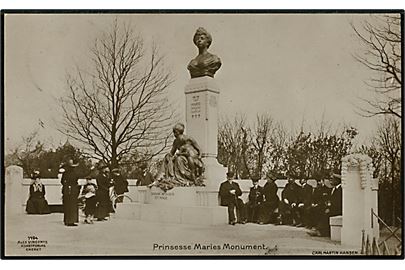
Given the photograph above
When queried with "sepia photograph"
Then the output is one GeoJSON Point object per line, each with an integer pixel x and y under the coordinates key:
{"type": "Point", "coordinates": [192, 134]}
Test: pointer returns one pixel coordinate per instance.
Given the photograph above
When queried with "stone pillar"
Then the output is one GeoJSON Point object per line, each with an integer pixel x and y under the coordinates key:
{"type": "Point", "coordinates": [14, 192]}
{"type": "Point", "coordinates": [358, 199]}
{"type": "Point", "coordinates": [202, 96]}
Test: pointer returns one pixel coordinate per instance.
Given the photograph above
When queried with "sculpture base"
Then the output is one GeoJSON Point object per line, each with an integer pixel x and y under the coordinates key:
{"type": "Point", "coordinates": [182, 205]}
{"type": "Point", "coordinates": [198, 215]}
{"type": "Point", "coordinates": [214, 173]}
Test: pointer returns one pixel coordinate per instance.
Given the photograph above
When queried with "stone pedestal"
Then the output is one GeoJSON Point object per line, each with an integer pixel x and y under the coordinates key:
{"type": "Point", "coordinates": [358, 199]}
{"type": "Point", "coordinates": [202, 97]}
{"type": "Point", "coordinates": [182, 205]}
{"type": "Point", "coordinates": [14, 191]}
{"type": "Point", "coordinates": [189, 205]}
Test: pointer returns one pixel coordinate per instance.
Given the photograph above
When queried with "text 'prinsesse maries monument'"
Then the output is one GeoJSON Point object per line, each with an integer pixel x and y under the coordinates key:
{"type": "Point", "coordinates": [191, 203]}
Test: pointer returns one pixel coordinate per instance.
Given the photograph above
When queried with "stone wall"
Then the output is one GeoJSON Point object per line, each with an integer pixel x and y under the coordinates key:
{"type": "Point", "coordinates": [17, 184]}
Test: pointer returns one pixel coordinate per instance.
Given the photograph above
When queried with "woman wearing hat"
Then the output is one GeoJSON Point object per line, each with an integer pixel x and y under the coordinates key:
{"type": "Point", "coordinates": [104, 204]}
{"type": "Point", "coordinates": [70, 193]}
{"type": "Point", "coordinates": [120, 183]}
{"type": "Point", "coordinates": [36, 203]}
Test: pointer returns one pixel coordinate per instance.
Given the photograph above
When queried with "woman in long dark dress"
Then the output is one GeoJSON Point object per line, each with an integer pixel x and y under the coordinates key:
{"type": "Point", "coordinates": [36, 203]}
{"type": "Point", "coordinates": [104, 205]}
{"type": "Point", "coordinates": [70, 193]}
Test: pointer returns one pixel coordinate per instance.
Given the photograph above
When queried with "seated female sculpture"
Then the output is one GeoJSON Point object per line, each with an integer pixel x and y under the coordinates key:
{"type": "Point", "coordinates": [205, 64]}
{"type": "Point", "coordinates": [183, 166]}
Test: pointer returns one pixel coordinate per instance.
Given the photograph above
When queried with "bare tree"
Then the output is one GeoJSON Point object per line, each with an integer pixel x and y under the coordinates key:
{"type": "Point", "coordinates": [231, 140]}
{"type": "Point", "coordinates": [245, 149]}
{"type": "Point", "coordinates": [381, 37]}
{"type": "Point", "coordinates": [26, 153]}
{"type": "Point", "coordinates": [261, 140]}
{"type": "Point", "coordinates": [276, 160]}
{"type": "Point", "coordinates": [389, 141]}
{"type": "Point", "coordinates": [119, 107]}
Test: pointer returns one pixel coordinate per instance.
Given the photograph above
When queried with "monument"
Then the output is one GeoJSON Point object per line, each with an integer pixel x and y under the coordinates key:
{"type": "Point", "coordinates": [186, 190]}
{"type": "Point", "coordinates": [202, 95]}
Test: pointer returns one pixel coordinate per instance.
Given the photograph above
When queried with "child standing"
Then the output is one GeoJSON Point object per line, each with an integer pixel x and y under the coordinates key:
{"type": "Point", "coordinates": [91, 201]}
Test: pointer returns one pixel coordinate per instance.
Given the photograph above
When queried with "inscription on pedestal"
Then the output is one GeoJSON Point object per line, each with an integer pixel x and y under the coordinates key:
{"type": "Point", "coordinates": [162, 195]}
{"type": "Point", "coordinates": [195, 107]}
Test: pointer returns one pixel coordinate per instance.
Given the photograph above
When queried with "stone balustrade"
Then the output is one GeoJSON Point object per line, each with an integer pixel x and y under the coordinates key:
{"type": "Point", "coordinates": [19, 187]}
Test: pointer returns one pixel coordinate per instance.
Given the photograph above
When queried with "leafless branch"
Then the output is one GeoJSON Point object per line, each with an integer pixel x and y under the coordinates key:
{"type": "Point", "coordinates": [381, 38]}
{"type": "Point", "coordinates": [119, 107]}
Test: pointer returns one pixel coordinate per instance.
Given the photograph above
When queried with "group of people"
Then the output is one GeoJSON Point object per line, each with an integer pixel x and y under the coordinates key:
{"type": "Point", "coordinates": [96, 195]}
{"type": "Point", "coordinates": [300, 205]}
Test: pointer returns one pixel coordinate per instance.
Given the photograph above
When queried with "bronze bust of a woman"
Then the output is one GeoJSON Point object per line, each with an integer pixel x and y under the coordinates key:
{"type": "Point", "coordinates": [205, 64]}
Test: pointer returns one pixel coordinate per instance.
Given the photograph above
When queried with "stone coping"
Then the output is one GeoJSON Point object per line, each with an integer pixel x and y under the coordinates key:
{"type": "Point", "coordinates": [336, 221]}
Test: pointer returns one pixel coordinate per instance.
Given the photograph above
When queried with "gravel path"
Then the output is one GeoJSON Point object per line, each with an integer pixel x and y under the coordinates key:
{"type": "Point", "coordinates": [132, 237]}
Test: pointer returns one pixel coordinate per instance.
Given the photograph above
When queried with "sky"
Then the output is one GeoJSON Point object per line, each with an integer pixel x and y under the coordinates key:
{"type": "Point", "coordinates": [298, 68]}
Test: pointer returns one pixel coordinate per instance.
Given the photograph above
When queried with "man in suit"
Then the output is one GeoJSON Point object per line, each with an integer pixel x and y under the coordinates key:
{"type": "Point", "coordinates": [254, 205]}
{"type": "Point", "coordinates": [271, 200]}
{"type": "Point", "coordinates": [320, 199]}
{"type": "Point", "coordinates": [229, 192]}
{"type": "Point", "coordinates": [336, 196]}
{"type": "Point", "coordinates": [289, 205]}
{"type": "Point", "coordinates": [304, 203]}
{"type": "Point", "coordinates": [333, 208]}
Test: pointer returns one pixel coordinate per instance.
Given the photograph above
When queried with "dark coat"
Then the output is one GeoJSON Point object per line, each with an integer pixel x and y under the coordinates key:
{"type": "Point", "coordinates": [321, 195]}
{"type": "Point", "coordinates": [145, 180]}
{"type": "Point", "coordinates": [256, 195]}
{"type": "Point", "coordinates": [270, 192]}
{"type": "Point", "coordinates": [336, 202]}
{"type": "Point", "coordinates": [290, 193]}
{"type": "Point", "coordinates": [104, 206]}
{"type": "Point", "coordinates": [305, 195]}
{"type": "Point", "coordinates": [36, 203]}
{"type": "Point", "coordinates": [70, 192]}
{"type": "Point", "coordinates": [120, 184]}
{"type": "Point", "coordinates": [224, 194]}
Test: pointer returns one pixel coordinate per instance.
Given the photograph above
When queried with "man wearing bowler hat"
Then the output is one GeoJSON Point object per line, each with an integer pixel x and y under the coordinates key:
{"type": "Point", "coordinates": [229, 193]}
{"type": "Point", "coordinates": [256, 198]}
